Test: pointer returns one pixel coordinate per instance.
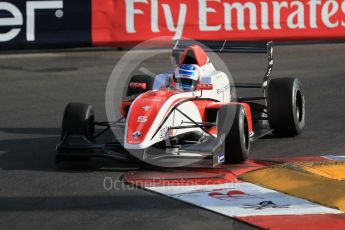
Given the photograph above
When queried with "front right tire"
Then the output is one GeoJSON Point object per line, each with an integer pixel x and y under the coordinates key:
{"type": "Point", "coordinates": [78, 120]}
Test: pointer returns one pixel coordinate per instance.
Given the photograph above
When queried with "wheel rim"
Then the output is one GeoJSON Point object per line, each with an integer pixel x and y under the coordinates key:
{"type": "Point", "coordinates": [299, 107]}
{"type": "Point", "coordinates": [245, 135]}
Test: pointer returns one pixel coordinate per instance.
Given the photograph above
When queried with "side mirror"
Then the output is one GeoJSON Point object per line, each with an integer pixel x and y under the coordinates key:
{"type": "Point", "coordinates": [137, 85]}
{"type": "Point", "coordinates": [204, 86]}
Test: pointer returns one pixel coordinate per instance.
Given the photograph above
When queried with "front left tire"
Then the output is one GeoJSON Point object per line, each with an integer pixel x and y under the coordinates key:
{"type": "Point", "coordinates": [232, 123]}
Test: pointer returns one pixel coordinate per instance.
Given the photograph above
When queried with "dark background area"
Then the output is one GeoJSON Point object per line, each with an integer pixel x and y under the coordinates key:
{"type": "Point", "coordinates": [73, 29]}
{"type": "Point", "coordinates": [34, 89]}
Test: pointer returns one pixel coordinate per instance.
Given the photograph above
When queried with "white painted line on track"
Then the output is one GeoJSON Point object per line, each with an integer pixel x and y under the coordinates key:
{"type": "Point", "coordinates": [335, 158]}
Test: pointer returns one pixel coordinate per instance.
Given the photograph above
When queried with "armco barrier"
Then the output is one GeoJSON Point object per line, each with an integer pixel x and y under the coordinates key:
{"type": "Point", "coordinates": [52, 23]}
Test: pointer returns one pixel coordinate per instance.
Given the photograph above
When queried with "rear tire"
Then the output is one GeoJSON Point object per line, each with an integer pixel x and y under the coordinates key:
{"type": "Point", "coordinates": [286, 106]}
{"type": "Point", "coordinates": [237, 142]}
{"type": "Point", "coordinates": [140, 79]}
{"type": "Point", "coordinates": [78, 119]}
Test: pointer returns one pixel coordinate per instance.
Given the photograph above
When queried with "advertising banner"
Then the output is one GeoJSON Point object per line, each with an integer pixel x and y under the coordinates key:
{"type": "Point", "coordinates": [62, 23]}
{"type": "Point", "coordinates": [45, 24]}
{"type": "Point", "coordinates": [116, 22]}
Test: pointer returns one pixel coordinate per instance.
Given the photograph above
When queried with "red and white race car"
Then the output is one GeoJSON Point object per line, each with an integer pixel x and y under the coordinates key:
{"type": "Point", "coordinates": [190, 113]}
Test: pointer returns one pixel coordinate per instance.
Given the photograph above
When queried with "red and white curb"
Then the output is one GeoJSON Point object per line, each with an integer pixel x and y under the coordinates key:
{"type": "Point", "coordinates": [242, 199]}
{"type": "Point", "coordinates": [220, 191]}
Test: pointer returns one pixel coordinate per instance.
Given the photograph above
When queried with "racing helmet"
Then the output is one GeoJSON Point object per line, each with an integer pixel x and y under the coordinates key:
{"type": "Point", "coordinates": [186, 77]}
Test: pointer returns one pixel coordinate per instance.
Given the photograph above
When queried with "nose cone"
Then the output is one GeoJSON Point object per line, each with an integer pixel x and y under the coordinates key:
{"type": "Point", "coordinates": [143, 113]}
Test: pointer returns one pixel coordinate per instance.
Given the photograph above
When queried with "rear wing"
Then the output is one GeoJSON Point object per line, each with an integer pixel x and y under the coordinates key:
{"type": "Point", "coordinates": [231, 47]}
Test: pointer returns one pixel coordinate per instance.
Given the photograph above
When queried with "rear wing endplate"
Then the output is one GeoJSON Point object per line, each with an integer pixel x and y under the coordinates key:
{"type": "Point", "coordinates": [230, 47]}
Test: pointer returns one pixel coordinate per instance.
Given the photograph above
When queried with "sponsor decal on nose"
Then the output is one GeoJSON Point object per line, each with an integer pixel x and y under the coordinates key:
{"type": "Point", "coordinates": [136, 134]}
{"type": "Point", "coordinates": [142, 119]}
{"type": "Point", "coordinates": [146, 108]}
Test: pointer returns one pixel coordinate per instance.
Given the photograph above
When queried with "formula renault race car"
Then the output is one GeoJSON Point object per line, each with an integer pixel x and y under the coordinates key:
{"type": "Point", "coordinates": [193, 114]}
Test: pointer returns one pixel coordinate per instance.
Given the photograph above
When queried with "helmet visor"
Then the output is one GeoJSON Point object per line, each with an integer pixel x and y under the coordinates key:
{"type": "Point", "coordinates": [186, 84]}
